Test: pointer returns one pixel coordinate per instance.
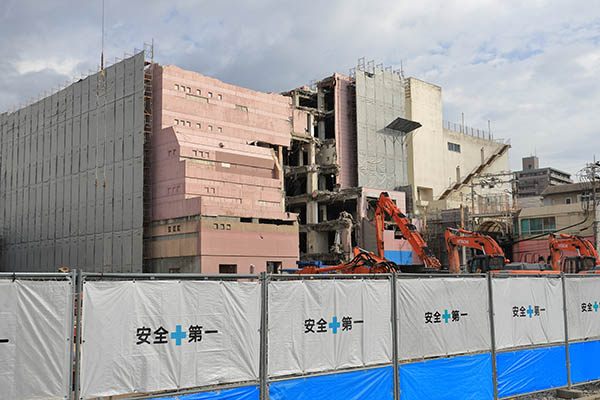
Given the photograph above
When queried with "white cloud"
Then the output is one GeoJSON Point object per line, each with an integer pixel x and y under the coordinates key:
{"type": "Point", "coordinates": [62, 66]}
{"type": "Point", "coordinates": [530, 67]}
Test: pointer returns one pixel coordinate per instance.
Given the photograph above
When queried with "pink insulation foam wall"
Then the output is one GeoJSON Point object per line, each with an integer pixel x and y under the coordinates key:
{"type": "Point", "coordinates": [215, 127]}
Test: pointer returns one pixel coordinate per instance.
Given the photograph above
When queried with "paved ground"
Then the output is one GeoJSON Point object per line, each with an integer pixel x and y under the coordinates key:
{"type": "Point", "coordinates": [589, 391]}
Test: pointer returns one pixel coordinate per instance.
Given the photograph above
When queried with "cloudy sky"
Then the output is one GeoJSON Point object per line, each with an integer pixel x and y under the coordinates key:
{"type": "Point", "coordinates": [530, 67]}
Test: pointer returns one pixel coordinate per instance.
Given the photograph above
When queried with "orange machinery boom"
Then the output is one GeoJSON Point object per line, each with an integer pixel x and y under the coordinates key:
{"type": "Point", "coordinates": [583, 247]}
{"type": "Point", "coordinates": [472, 240]}
{"type": "Point", "coordinates": [407, 229]}
{"type": "Point", "coordinates": [364, 262]}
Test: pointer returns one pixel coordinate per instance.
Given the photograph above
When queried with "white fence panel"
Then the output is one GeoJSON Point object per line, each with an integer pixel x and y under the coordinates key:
{"type": "Point", "coordinates": [35, 339]}
{"type": "Point", "coordinates": [527, 311]}
{"type": "Point", "coordinates": [165, 335]}
{"type": "Point", "coordinates": [583, 307]}
{"type": "Point", "coordinates": [322, 325]}
{"type": "Point", "coordinates": [442, 316]}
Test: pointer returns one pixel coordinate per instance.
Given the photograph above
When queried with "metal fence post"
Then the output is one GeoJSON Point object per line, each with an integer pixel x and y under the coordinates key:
{"type": "Point", "coordinates": [264, 335]}
{"type": "Point", "coordinates": [565, 319]}
{"type": "Point", "coordinates": [71, 338]}
{"type": "Point", "coordinates": [395, 337]}
{"type": "Point", "coordinates": [79, 297]}
{"type": "Point", "coordinates": [492, 334]}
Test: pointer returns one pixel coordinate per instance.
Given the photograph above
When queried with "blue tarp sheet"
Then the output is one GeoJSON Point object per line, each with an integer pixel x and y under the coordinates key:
{"type": "Point", "coordinates": [462, 377]}
{"type": "Point", "coordinates": [585, 364]}
{"type": "Point", "coordinates": [400, 257]}
{"type": "Point", "coordinates": [245, 393]}
{"type": "Point", "coordinates": [370, 384]}
{"type": "Point", "coordinates": [527, 371]}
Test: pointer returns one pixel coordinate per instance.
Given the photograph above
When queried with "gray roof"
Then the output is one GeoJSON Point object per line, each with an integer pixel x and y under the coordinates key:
{"type": "Point", "coordinates": [566, 188]}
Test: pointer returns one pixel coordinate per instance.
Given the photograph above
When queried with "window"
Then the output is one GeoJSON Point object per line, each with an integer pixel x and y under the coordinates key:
{"type": "Point", "coordinates": [210, 127]}
{"type": "Point", "coordinates": [198, 92]}
{"type": "Point", "coordinates": [168, 229]}
{"type": "Point", "coordinates": [176, 122]}
{"type": "Point", "coordinates": [228, 268]}
{"type": "Point", "coordinates": [189, 89]}
{"type": "Point", "coordinates": [568, 200]}
{"type": "Point", "coordinates": [220, 97]}
{"type": "Point", "coordinates": [176, 87]}
{"type": "Point", "coordinates": [241, 108]}
{"type": "Point", "coordinates": [209, 95]}
{"type": "Point", "coordinates": [534, 226]}
{"type": "Point", "coordinates": [220, 129]}
{"type": "Point", "coordinates": [182, 88]}
{"type": "Point", "coordinates": [198, 126]}
{"type": "Point", "coordinates": [189, 124]}
{"type": "Point", "coordinates": [273, 267]}
{"type": "Point", "coordinates": [454, 147]}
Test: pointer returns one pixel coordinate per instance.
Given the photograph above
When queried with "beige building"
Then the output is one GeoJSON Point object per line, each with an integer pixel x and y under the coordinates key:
{"type": "Point", "coordinates": [445, 158]}
{"type": "Point", "coordinates": [567, 209]}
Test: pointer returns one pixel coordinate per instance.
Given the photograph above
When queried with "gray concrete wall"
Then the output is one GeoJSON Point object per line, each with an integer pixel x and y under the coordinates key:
{"type": "Point", "coordinates": [382, 161]}
{"type": "Point", "coordinates": [71, 176]}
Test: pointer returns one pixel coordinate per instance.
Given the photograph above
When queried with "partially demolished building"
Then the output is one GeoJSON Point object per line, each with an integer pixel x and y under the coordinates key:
{"type": "Point", "coordinates": [348, 145]}
{"type": "Point", "coordinates": [355, 136]}
{"type": "Point", "coordinates": [143, 167]}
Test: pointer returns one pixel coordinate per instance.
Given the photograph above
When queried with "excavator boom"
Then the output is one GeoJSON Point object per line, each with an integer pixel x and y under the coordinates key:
{"type": "Point", "coordinates": [407, 229]}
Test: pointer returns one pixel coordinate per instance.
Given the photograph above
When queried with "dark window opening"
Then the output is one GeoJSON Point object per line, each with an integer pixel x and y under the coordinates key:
{"type": "Point", "coordinates": [302, 242]}
{"type": "Point", "coordinates": [305, 157]}
{"type": "Point", "coordinates": [328, 100]}
{"type": "Point", "coordinates": [246, 220]}
{"type": "Point", "coordinates": [273, 267]}
{"type": "Point", "coordinates": [274, 221]}
{"type": "Point", "coordinates": [301, 211]}
{"type": "Point", "coordinates": [308, 101]}
{"type": "Point", "coordinates": [330, 128]}
{"type": "Point", "coordinates": [295, 185]}
{"type": "Point", "coordinates": [228, 268]}
{"type": "Point", "coordinates": [330, 181]}
{"type": "Point", "coordinates": [292, 156]}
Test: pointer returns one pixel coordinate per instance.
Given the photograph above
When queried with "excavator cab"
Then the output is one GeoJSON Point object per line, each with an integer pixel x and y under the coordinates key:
{"type": "Point", "coordinates": [576, 265]}
{"type": "Point", "coordinates": [481, 264]}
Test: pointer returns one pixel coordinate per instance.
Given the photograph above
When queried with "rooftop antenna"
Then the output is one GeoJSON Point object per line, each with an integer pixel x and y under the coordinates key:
{"type": "Point", "coordinates": [102, 53]}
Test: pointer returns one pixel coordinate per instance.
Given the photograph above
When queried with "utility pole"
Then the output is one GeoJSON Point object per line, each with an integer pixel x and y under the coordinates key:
{"type": "Point", "coordinates": [464, 249]}
{"type": "Point", "coordinates": [590, 177]}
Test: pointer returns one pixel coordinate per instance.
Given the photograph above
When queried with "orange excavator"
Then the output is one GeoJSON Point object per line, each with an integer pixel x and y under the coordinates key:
{"type": "Point", "coordinates": [366, 262]}
{"type": "Point", "coordinates": [406, 229]}
{"type": "Point", "coordinates": [492, 260]}
{"type": "Point", "coordinates": [586, 260]}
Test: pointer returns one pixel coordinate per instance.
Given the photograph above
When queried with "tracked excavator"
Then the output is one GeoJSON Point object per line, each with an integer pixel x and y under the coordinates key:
{"type": "Point", "coordinates": [366, 262]}
{"type": "Point", "coordinates": [492, 259]}
{"type": "Point", "coordinates": [585, 262]}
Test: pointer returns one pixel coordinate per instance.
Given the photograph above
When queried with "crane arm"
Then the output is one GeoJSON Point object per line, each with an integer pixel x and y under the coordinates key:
{"type": "Point", "coordinates": [408, 230]}
{"type": "Point", "coordinates": [469, 239]}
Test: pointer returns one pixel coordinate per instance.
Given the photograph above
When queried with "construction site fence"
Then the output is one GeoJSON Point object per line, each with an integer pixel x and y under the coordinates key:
{"type": "Point", "coordinates": [84, 335]}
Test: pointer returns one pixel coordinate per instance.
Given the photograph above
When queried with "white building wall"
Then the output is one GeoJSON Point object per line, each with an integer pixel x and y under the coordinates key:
{"type": "Point", "coordinates": [433, 168]}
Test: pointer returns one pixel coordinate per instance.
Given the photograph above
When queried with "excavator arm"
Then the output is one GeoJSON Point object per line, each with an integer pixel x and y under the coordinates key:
{"type": "Point", "coordinates": [456, 238]}
{"type": "Point", "coordinates": [364, 262]}
{"type": "Point", "coordinates": [407, 229]}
